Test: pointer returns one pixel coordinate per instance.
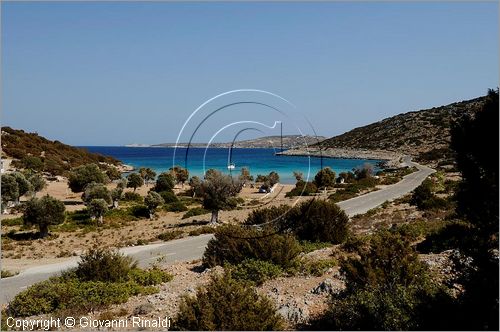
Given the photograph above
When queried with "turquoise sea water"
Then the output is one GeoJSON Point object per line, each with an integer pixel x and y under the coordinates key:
{"type": "Point", "coordinates": [258, 161]}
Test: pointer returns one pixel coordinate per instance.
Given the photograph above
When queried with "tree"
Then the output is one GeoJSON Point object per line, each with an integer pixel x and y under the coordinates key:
{"type": "Point", "coordinates": [134, 181]}
{"type": "Point", "coordinates": [363, 172]}
{"type": "Point", "coordinates": [325, 178]}
{"type": "Point", "coordinates": [23, 184]}
{"type": "Point", "coordinates": [387, 288]}
{"type": "Point", "coordinates": [245, 176]}
{"type": "Point", "coordinates": [180, 174]}
{"type": "Point", "coordinates": [113, 173]}
{"type": "Point", "coordinates": [10, 189]}
{"type": "Point", "coordinates": [122, 184]}
{"type": "Point", "coordinates": [195, 184]}
{"type": "Point", "coordinates": [347, 176]}
{"type": "Point", "coordinates": [116, 195]}
{"type": "Point", "coordinates": [261, 178]}
{"type": "Point", "coordinates": [44, 212]}
{"type": "Point", "coordinates": [147, 174]}
{"type": "Point", "coordinates": [320, 220]}
{"type": "Point", "coordinates": [81, 176]}
{"type": "Point", "coordinates": [97, 208]}
{"type": "Point", "coordinates": [227, 304]}
{"type": "Point", "coordinates": [299, 176]}
{"type": "Point", "coordinates": [475, 141]}
{"type": "Point", "coordinates": [273, 178]}
{"type": "Point", "coordinates": [164, 182]}
{"type": "Point", "coordinates": [37, 183]}
{"type": "Point", "coordinates": [32, 163]}
{"type": "Point", "coordinates": [217, 190]}
{"type": "Point", "coordinates": [153, 200]}
{"type": "Point", "coordinates": [96, 191]}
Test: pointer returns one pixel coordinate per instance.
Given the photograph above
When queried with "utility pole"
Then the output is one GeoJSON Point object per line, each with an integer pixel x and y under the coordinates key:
{"type": "Point", "coordinates": [281, 136]}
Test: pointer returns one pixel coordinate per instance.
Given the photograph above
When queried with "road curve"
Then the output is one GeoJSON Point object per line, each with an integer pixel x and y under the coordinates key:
{"type": "Point", "coordinates": [363, 203]}
{"type": "Point", "coordinates": [185, 249]}
{"type": "Point", "coordinates": [191, 248]}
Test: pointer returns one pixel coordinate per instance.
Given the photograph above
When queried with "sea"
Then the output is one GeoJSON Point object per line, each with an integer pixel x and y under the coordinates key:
{"type": "Point", "coordinates": [258, 161]}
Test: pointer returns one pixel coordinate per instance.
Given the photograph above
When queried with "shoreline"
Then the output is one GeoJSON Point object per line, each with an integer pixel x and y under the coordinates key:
{"type": "Point", "coordinates": [391, 159]}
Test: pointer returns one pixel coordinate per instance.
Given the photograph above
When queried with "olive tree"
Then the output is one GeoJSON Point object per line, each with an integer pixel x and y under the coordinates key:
{"type": "Point", "coordinates": [180, 174]}
{"type": "Point", "coordinates": [97, 208]}
{"type": "Point", "coordinates": [134, 181]}
{"type": "Point", "coordinates": [23, 184]}
{"type": "Point", "coordinates": [164, 182]}
{"type": "Point", "coordinates": [245, 176]}
{"type": "Point", "coordinates": [273, 178]}
{"type": "Point", "coordinates": [37, 183]}
{"type": "Point", "coordinates": [96, 191]}
{"type": "Point", "coordinates": [81, 176]}
{"type": "Point", "coordinates": [152, 201]}
{"type": "Point", "coordinates": [44, 212]}
{"type": "Point", "coordinates": [299, 176]}
{"type": "Point", "coordinates": [116, 195]}
{"type": "Point", "coordinates": [147, 174]}
{"type": "Point", "coordinates": [195, 184]}
{"type": "Point", "coordinates": [217, 189]}
{"type": "Point", "coordinates": [325, 178]}
{"type": "Point", "coordinates": [10, 190]}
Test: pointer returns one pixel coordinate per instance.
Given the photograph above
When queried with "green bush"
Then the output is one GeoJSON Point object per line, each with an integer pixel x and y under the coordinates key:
{"type": "Point", "coordinates": [72, 294]}
{"type": "Point", "coordinates": [168, 196]}
{"type": "Point", "coordinates": [175, 207]}
{"type": "Point", "coordinates": [271, 214]}
{"type": "Point", "coordinates": [171, 235]}
{"type": "Point", "coordinates": [150, 277]}
{"type": "Point", "coordinates": [320, 221]}
{"type": "Point", "coordinates": [387, 288]}
{"type": "Point", "coordinates": [202, 230]}
{"type": "Point", "coordinates": [102, 277]}
{"type": "Point", "coordinates": [451, 236]}
{"type": "Point", "coordinates": [233, 244]}
{"type": "Point", "coordinates": [309, 246]}
{"type": "Point", "coordinates": [195, 212]}
{"type": "Point", "coordinates": [255, 271]}
{"type": "Point", "coordinates": [302, 188]}
{"type": "Point", "coordinates": [227, 304]}
{"type": "Point", "coordinates": [13, 221]}
{"type": "Point", "coordinates": [99, 264]}
{"type": "Point", "coordinates": [132, 197]}
{"type": "Point", "coordinates": [140, 211]}
{"type": "Point", "coordinates": [317, 267]}
{"type": "Point", "coordinates": [424, 199]}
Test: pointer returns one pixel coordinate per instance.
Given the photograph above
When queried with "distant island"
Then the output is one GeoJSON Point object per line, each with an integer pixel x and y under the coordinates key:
{"type": "Point", "coordinates": [267, 142]}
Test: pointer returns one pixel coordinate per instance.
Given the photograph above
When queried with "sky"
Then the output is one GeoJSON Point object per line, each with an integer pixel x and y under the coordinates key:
{"type": "Point", "coordinates": [117, 73]}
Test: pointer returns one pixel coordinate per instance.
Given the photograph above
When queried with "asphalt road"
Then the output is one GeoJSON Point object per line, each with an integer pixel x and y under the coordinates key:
{"type": "Point", "coordinates": [363, 203]}
{"type": "Point", "coordinates": [185, 249]}
{"type": "Point", "coordinates": [191, 248]}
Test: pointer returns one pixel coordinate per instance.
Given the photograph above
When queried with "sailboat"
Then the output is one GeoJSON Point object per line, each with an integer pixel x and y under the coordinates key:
{"type": "Point", "coordinates": [231, 166]}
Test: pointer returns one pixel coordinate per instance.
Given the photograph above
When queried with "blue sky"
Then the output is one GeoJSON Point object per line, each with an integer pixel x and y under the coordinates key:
{"type": "Point", "coordinates": [119, 73]}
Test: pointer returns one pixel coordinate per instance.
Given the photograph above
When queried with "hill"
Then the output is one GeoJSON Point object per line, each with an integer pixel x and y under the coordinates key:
{"type": "Point", "coordinates": [424, 134]}
{"type": "Point", "coordinates": [289, 142]}
{"type": "Point", "coordinates": [52, 157]}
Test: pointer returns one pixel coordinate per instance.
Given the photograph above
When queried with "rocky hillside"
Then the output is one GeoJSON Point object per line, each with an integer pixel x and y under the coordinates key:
{"type": "Point", "coordinates": [425, 133]}
{"type": "Point", "coordinates": [289, 141]}
{"type": "Point", "coordinates": [52, 157]}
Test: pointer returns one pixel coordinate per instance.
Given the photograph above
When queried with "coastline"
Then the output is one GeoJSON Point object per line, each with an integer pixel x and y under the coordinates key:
{"type": "Point", "coordinates": [391, 159]}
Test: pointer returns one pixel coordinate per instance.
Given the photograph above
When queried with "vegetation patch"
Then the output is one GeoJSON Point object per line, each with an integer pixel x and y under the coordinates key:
{"type": "Point", "coordinates": [227, 304]}
{"type": "Point", "coordinates": [255, 271]}
{"type": "Point", "coordinates": [197, 211]}
{"type": "Point", "coordinates": [101, 279]}
{"type": "Point", "coordinates": [171, 235]}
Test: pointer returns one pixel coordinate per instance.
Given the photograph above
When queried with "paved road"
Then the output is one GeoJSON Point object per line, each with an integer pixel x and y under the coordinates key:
{"type": "Point", "coordinates": [191, 248]}
{"type": "Point", "coordinates": [362, 204]}
{"type": "Point", "coordinates": [185, 249]}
